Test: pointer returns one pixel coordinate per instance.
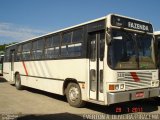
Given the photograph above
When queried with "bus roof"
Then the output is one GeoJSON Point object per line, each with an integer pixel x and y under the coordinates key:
{"type": "Point", "coordinates": [157, 33]}
{"type": "Point", "coordinates": [78, 25]}
{"type": "Point", "coordinates": [95, 20]}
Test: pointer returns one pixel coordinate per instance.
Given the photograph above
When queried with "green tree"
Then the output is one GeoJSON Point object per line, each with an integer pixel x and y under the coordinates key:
{"type": "Point", "coordinates": [2, 47]}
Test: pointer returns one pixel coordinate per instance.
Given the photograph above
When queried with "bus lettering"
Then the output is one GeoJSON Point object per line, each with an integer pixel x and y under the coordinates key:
{"type": "Point", "coordinates": [138, 26]}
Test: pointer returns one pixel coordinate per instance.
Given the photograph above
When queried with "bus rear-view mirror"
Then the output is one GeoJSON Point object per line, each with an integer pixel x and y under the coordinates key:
{"type": "Point", "coordinates": [108, 38]}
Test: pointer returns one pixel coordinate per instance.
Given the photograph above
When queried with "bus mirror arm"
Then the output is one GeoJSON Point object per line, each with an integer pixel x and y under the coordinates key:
{"type": "Point", "coordinates": [108, 38]}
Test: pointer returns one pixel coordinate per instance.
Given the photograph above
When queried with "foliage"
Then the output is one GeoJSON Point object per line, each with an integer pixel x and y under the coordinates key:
{"type": "Point", "coordinates": [2, 47]}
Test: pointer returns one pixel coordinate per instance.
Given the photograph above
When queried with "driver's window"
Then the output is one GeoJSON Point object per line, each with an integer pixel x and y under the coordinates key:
{"type": "Point", "coordinates": [158, 54]}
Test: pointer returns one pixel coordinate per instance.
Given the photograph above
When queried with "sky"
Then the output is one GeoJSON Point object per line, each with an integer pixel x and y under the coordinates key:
{"type": "Point", "coordinates": [23, 19]}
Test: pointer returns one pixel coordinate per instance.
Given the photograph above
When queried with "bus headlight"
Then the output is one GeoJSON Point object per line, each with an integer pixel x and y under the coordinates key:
{"type": "Point", "coordinates": [155, 83]}
{"type": "Point", "coordinates": [122, 86]}
{"type": "Point", "coordinates": [113, 87]}
{"type": "Point", "coordinates": [116, 87]}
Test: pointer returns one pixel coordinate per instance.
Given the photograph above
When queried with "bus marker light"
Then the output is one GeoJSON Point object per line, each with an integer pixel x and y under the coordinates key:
{"type": "Point", "coordinates": [83, 85]}
{"type": "Point", "coordinates": [111, 87]}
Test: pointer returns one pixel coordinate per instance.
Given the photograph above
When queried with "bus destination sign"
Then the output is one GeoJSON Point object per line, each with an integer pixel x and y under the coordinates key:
{"type": "Point", "coordinates": [131, 24]}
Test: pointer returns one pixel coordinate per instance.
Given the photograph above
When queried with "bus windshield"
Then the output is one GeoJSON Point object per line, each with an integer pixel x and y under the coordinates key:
{"type": "Point", "coordinates": [130, 50]}
{"type": "Point", "coordinates": [157, 37]}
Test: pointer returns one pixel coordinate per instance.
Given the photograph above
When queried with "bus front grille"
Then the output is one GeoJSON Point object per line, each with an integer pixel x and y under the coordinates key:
{"type": "Point", "coordinates": [136, 80]}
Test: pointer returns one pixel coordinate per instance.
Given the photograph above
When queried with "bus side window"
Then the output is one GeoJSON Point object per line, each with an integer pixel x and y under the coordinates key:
{"type": "Point", "coordinates": [52, 46]}
{"type": "Point", "coordinates": [7, 52]}
{"type": "Point", "coordinates": [75, 48]}
{"type": "Point", "coordinates": [77, 36]}
{"type": "Point", "coordinates": [37, 50]}
{"type": "Point", "coordinates": [19, 51]}
{"type": "Point", "coordinates": [72, 43]}
{"type": "Point", "coordinates": [26, 51]}
{"type": "Point", "coordinates": [66, 39]}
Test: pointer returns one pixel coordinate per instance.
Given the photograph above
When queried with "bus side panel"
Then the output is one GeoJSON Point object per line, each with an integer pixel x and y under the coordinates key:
{"type": "Point", "coordinates": [49, 75]}
{"type": "Point", "coordinates": [53, 86]}
{"type": "Point", "coordinates": [7, 71]}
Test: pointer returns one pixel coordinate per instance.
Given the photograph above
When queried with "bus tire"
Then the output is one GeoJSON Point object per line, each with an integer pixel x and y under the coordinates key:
{"type": "Point", "coordinates": [18, 82]}
{"type": "Point", "coordinates": [73, 94]}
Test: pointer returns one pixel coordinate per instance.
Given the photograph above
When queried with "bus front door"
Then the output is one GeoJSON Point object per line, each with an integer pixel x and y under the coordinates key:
{"type": "Point", "coordinates": [12, 57]}
{"type": "Point", "coordinates": [96, 54]}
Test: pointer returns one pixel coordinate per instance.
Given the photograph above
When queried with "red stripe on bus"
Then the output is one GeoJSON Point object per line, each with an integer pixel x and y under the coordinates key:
{"type": "Point", "coordinates": [135, 76]}
{"type": "Point", "coordinates": [24, 66]}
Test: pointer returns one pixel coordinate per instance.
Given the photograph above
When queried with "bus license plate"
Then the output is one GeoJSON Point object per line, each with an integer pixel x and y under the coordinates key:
{"type": "Point", "coordinates": [139, 94]}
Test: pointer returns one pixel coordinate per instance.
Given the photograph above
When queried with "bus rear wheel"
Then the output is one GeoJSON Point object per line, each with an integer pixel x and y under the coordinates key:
{"type": "Point", "coordinates": [18, 82]}
{"type": "Point", "coordinates": [73, 94]}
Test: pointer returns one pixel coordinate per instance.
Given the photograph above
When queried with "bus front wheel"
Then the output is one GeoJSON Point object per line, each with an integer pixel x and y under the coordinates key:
{"type": "Point", "coordinates": [73, 94]}
{"type": "Point", "coordinates": [18, 82]}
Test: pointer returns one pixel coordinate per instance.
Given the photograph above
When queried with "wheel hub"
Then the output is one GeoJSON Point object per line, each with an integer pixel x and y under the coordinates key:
{"type": "Point", "coordinates": [73, 94]}
{"type": "Point", "coordinates": [17, 80]}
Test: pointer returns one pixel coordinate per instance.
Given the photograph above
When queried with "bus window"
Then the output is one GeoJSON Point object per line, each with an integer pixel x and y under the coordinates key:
{"type": "Point", "coordinates": [77, 36]}
{"type": "Point", "coordinates": [19, 51]}
{"type": "Point", "coordinates": [72, 43]}
{"type": "Point", "coordinates": [26, 51]}
{"type": "Point", "coordinates": [37, 50]}
{"type": "Point", "coordinates": [52, 47]}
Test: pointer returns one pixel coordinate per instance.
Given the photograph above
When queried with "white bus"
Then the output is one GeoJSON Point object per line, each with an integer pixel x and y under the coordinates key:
{"type": "Point", "coordinates": [105, 61]}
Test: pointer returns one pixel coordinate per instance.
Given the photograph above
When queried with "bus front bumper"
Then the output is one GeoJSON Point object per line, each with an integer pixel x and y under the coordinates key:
{"type": "Point", "coordinates": [124, 96]}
